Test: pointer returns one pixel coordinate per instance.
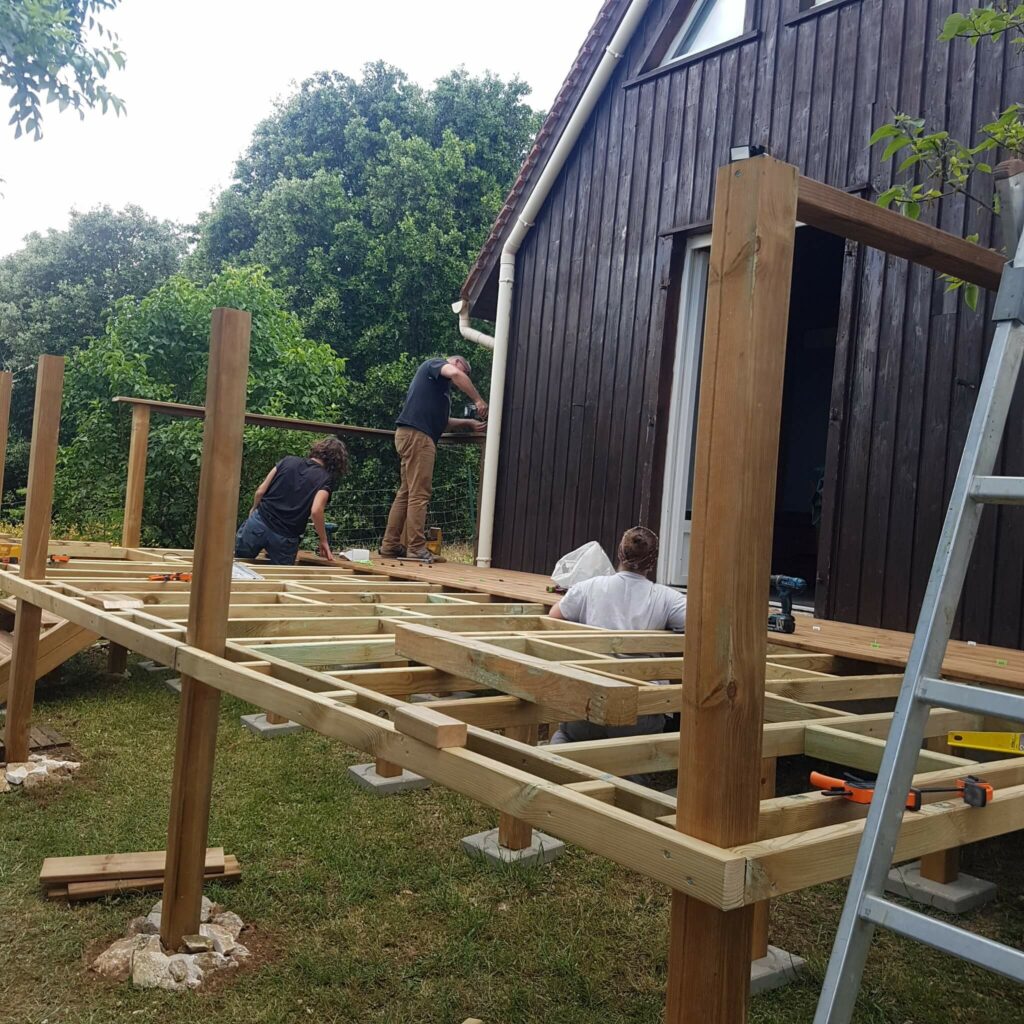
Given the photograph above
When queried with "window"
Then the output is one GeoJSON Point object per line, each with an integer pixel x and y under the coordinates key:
{"type": "Point", "coordinates": [708, 23]}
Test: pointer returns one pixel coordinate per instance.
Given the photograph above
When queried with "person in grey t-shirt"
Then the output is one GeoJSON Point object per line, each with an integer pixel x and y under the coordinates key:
{"type": "Point", "coordinates": [627, 600]}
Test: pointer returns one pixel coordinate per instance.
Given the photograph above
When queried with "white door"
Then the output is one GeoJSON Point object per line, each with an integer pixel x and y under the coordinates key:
{"type": "Point", "coordinates": [677, 493]}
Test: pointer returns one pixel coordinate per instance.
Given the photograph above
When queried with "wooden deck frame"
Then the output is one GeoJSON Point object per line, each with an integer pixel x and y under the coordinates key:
{"type": "Point", "coordinates": [729, 687]}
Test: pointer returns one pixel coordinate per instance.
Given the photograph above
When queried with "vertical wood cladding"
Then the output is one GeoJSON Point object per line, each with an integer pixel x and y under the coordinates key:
{"type": "Point", "coordinates": [593, 323]}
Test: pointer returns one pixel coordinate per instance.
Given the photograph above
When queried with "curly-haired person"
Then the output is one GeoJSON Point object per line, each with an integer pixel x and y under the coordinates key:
{"type": "Point", "coordinates": [296, 490]}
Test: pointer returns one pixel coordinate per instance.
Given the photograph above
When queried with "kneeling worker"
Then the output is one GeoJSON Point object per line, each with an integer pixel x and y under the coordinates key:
{"type": "Point", "coordinates": [425, 416]}
{"type": "Point", "coordinates": [627, 600]}
{"type": "Point", "coordinates": [294, 491]}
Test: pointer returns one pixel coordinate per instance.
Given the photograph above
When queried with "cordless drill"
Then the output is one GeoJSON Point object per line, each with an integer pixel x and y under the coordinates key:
{"type": "Point", "coordinates": [785, 587]}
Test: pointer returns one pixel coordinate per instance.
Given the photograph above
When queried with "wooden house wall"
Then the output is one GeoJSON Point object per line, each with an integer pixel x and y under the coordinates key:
{"type": "Point", "coordinates": [592, 306]}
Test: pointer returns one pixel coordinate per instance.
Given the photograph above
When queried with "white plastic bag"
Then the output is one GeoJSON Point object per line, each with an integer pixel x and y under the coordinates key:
{"type": "Point", "coordinates": [582, 564]}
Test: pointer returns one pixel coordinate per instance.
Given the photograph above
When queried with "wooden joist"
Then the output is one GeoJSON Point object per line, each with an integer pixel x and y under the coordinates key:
{"type": "Point", "coordinates": [65, 870]}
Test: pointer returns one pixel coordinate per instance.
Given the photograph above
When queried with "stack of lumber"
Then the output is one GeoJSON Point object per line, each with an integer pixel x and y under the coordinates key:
{"type": "Point", "coordinates": [106, 874]}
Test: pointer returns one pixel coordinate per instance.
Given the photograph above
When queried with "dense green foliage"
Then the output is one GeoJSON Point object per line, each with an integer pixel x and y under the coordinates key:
{"type": "Point", "coordinates": [939, 165]}
{"type": "Point", "coordinates": [353, 217]}
{"type": "Point", "coordinates": [368, 200]}
{"type": "Point", "coordinates": [46, 53]}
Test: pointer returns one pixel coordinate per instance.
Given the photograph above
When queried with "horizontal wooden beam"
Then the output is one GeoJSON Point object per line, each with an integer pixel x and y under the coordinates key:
{"type": "Point", "coordinates": [572, 692]}
{"type": "Point", "coordinates": [255, 419]}
{"type": "Point", "coordinates": [840, 213]}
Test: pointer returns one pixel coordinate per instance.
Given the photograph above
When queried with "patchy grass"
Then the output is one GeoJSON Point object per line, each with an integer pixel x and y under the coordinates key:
{"type": "Point", "coordinates": [366, 910]}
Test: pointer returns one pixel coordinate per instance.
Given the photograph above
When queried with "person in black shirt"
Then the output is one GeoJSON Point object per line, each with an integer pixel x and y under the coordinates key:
{"type": "Point", "coordinates": [293, 491]}
{"type": "Point", "coordinates": [425, 416]}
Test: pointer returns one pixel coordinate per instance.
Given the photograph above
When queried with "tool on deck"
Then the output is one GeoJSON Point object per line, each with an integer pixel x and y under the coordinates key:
{"type": "Point", "coordinates": [867, 907]}
{"type": "Point", "coordinates": [169, 577]}
{"type": "Point", "coordinates": [976, 792]}
{"type": "Point", "coordinates": [434, 538]}
{"type": "Point", "coordinates": [10, 554]}
{"type": "Point", "coordinates": [997, 742]}
{"type": "Point", "coordinates": [59, 559]}
{"type": "Point", "coordinates": [785, 587]}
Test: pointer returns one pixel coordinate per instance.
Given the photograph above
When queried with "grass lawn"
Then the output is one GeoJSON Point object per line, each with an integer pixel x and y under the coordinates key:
{"type": "Point", "coordinates": [366, 910]}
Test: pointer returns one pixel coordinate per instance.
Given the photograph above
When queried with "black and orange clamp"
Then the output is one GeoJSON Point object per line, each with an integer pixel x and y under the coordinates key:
{"type": "Point", "coordinates": [975, 792]}
{"type": "Point", "coordinates": [171, 577]}
{"type": "Point", "coordinates": [59, 559]}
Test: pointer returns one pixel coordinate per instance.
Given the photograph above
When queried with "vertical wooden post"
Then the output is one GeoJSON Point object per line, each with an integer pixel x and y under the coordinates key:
{"type": "Point", "coordinates": [514, 834]}
{"type": "Point", "coordinates": [944, 865]}
{"type": "Point", "coordinates": [210, 596]}
{"type": "Point", "coordinates": [730, 557]}
{"type": "Point", "coordinates": [138, 452]}
{"type": "Point", "coordinates": [759, 943]}
{"type": "Point", "coordinates": [117, 659]}
{"type": "Point", "coordinates": [6, 384]}
{"type": "Point", "coordinates": [42, 465]}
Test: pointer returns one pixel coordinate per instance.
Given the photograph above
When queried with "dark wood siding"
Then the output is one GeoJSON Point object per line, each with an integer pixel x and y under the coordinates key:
{"type": "Point", "coordinates": [593, 331]}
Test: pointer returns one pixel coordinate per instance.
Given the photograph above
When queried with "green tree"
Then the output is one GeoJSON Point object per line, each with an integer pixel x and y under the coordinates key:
{"type": "Point", "coordinates": [158, 347]}
{"type": "Point", "coordinates": [936, 164]}
{"type": "Point", "coordinates": [47, 52]}
{"type": "Point", "coordinates": [368, 201]}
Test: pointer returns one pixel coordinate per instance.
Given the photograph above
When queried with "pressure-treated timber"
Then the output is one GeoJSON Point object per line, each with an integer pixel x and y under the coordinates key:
{"type": "Point", "coordinates": [6, 383]}
{"type": "Point", "coordinates": [577, 694]}
{"type": "Point", "coordinates": [734, 498]}
{"type": "Point", "coordinates": [42, 465]}
{"type": "Point", "coordinates": [219, 478]}
{"type": "Point", "coordinates": [848, 216]}
{"type": "Point", "coordinates": [514, 834]}
{"type": "Point", "coordinates": [138, 451]}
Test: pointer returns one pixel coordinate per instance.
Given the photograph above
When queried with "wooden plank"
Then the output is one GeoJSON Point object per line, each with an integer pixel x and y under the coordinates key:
{"type": "Point", "coordinates": [252, 419]}
{"type": "Point", "coordinates": [63, 870]}
{"type": "Point", "coordinates": [42, 467]}
{"type": "Point", "coordinates": [428, 726]}
{"type": "Point", "coordinates": [6, 383]}
{"type": "Point", "coordinates": [219, 477]}
{"type": "Point", "coordinates": [138, 452]}
{"type": "Point", "coordinates": [843, 214]}
{"type": "Point", "coordinates": [576, 694]}
{"type": "Point", "coordinates": [76, 891]}
{"type": "Point", "coordinates": [734, 498]}
{"type": "Point", "coordinates": [777, 866]}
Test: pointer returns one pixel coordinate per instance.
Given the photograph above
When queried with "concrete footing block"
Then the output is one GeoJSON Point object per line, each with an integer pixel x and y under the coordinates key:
{"type": "Point", "coordinates": [365, 775]}
{"type": "Point", "coordinates": [542, 850]}
{"type": "Point", "coordinates": [152, 666]}
{"type": "Point", "coordinates": [776, 969]}
{"type": "Point", "coordinates": [174, 684]}
{"type": "Point", "coordinates": [967, 893]}
{"type": "Point", "coordinates": [269, 730]}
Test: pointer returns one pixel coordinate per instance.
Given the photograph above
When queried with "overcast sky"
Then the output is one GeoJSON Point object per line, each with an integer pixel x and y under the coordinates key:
{"type": "Point", "coordinates": [202, 73]}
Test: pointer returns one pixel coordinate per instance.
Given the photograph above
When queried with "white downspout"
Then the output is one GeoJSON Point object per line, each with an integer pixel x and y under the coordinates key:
{"type": "Point", "coordinates": [507, 271]}
{"type": "Point", "coordinates": [461, 310]}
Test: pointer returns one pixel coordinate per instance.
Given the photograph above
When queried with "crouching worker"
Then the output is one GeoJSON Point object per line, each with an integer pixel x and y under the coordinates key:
{"type": "Point", "coordinates": [294, 491]}
{"type": "Point", "coordinates": [627, 600]}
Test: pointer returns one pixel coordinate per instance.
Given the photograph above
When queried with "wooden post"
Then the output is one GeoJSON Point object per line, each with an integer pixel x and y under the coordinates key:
{"type": "Point", "coordinates": [514, 834]}
{"type": "Point", "coordinates": [117, 659]}
{"type": "Point", "coordinates": [943, 865]}
{"type": "Point", "coordinates": [42, 465]}
{"type": "Point", "coordinates": [138, 451]}
{"type": "Point", "coordinates": [730, 559]}
{"type": "Point", "coordinates": [759, 943]}
{"type": "Point", "coordinates": [210, 596]}
{"type": "Point", "coordinates": [6, 383]}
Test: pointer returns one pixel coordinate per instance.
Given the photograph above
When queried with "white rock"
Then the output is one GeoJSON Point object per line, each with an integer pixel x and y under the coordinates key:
{"type": "Point", "coordinates": [223, 941]}
{"type": "Point", "coordinates": [231, 921]}
{"type": "Point", "coordinates": [212, 961]}
{"type": "Point", "coordinates": [5, 786]}
{"type": "Point", "coordinates": [116, 960]}
{"type": "Point", "coordinates": [173, 973]}
{"type": "Point", "coordinates": [15, 773]}
{"type": "Point", "coordinates": [239, 952]}
{"type": "Point", "coordinates": [142, 926]}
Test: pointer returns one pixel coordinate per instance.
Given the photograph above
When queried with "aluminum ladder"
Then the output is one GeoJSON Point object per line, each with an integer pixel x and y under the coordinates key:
{"type": "Point", "coordinates": [922, 689]}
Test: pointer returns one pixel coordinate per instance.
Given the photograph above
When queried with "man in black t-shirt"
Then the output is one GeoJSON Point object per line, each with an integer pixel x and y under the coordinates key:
{"type": "Point", "coordinates": [425, 416]}
{"type": "Point", "coordinates": [293, 491]}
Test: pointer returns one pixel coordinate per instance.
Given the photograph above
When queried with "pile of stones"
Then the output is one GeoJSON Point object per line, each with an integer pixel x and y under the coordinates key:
{"type": "Point", "coordinates": [38, 770]}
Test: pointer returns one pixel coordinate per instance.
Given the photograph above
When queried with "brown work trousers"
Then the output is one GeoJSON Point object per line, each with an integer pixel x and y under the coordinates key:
{"type": "Point", "coordinates": [408, 517]}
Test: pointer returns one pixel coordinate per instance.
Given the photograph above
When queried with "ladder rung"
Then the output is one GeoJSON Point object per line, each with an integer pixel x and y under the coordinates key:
{"type": "Point", "coordinates": [987, 953]}
{"type": "Point", "coordinates": [977, 699]}
{"type": "Point", "coordinates": [998, 490]}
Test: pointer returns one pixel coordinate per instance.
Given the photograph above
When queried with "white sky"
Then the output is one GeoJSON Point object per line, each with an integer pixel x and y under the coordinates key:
{"type": "Point", "coordinates": [202, 73]}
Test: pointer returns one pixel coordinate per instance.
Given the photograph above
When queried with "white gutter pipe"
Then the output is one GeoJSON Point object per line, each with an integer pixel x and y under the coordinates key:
{"type": "Point", "coordinates": [507, 272]}
{"type": "Point", "coordinates": [461, 310]}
